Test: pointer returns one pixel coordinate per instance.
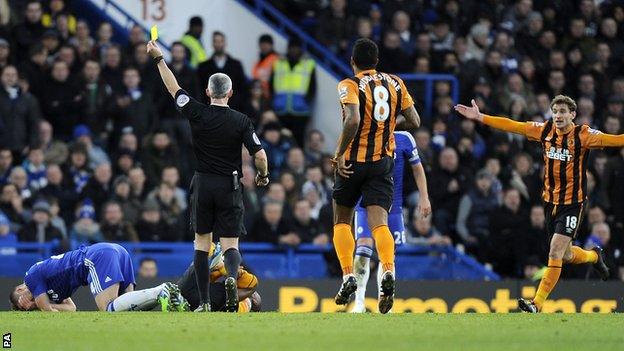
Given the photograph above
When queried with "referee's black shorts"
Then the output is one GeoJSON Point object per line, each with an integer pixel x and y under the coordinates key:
{"type": "Point", "coordinates": [370, 180]}
{"type": "Point", "coordinates": [215, 206]}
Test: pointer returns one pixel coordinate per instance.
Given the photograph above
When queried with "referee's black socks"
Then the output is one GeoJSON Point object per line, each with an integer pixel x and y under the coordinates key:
{"type": "Point", "coordinates": [200, 261]}
{"type": "Point", "coordinates": [232, 260]}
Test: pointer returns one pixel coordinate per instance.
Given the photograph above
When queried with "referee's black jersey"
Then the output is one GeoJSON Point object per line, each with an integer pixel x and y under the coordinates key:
{"type": "Point", "coordinates": [218, 133]}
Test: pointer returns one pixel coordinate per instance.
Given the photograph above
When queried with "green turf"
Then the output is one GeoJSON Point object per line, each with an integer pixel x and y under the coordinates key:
{"type": "Point", "coordinates": [314, 331]}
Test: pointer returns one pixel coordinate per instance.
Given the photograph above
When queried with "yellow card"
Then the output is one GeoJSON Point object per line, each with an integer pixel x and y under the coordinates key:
{"type": "Point", "coordinates": [154, 32]}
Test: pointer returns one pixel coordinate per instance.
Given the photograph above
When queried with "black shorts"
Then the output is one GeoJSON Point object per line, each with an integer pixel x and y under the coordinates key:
{"type": "Point", "coordinates": [215, 206]}
{"type": "Point", "coordinates": [563, 219]}
{"type": "Point", "coordinates": [371, 180]}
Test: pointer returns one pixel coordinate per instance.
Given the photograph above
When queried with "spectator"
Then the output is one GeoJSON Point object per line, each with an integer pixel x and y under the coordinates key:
{"type": "Point", "coordinates": [473, 215]}
{"type": "Point", "coordinates": [314, 146]}
{"type": "Point", "coordinates": [478, 41]}
{"type": "Point", "coordinates": [98, 188]}
{"type": "Point", "coordinates": [148, 268]}
{"type": "Point", "coordinates": [170, 208]}
{"type": "Point", "coordinates": [19, 177]}
{"type": "Point", "coordinates": [60, 189]}
{"type": "Point", "coordinates": [291, 187]}
{"type": "Point", "coordinates": [392, 58]}
{"type": "Point", "coordinates": [19, 112]}
{"type": "Point", "coordinates": [136, 36]}
{"type": "Point", "coordinates": [138, 190]}
{"type": "Point", "coordinates": [420, 231]}
{"type": "Point", "coordinates": [114, 226]}
{"type": "Point", "coordinates": [535, 241]}
{"type": "Point", "coordinates": [272, 227]}
{"type": "Point", "coordinates": [96, 94]}
{"type": "Point", "coordinates": [35, 68]}
{"type": "Point", "coordinates": [222, 62]}
{"type": "Point", "coordinates": [12, 205]}
{"type": "Point", "coordinates": [295, 163]}
{"type": "Point", "coordinates": [82, 40]}
{"type": "Point", "coordinates": [507, 225]}
{"type": "Point", "coordinates": [40, 229]}
{"type": "Point", "coordinates": [307, 228]}
{"type": "Point", "coordinates": [441, 37]}
{"type": "Point", "coordinates": [192, 41]}
{"type": "Point", "coordinates": [97, 156]}
{"type": "Point", "coordinates": [54, 151]}
{"type": "Point", "coordinates": [112, 69]}
{"type": "Point", "coordinates": [159, 153]}
{"type": "Point", "coordinates": [293, 87]}
{"type": "Point", "coordinates": [62, 103]}
{"type": "Point", "coordinates": [104, 42]}
{"type": "Point", "coordinates": [401, 24]}
{"type": "Point", "coordinates": [29, 31]}
{"type": "Point", "coordinates": [263, 69]}
{"type": "Point", "coordinates": [251, 199]}
{"type": "Point", "coordinates": [276, 147]}
{"type": "Point", "coordinates": [171, 177]}
{"type": "Point", "coordinates": [614, 185]}
{"type": "Point", "coordinates": [133, 106]}
{"type": "Point", "coordinates": [314, 178]}
{"type": "Point", "coordinates": [446, 186]}
{"type": "Point", "coordinates": [516, 15]}
{"type": "Point", "coordinates": [525, 179]}
{"type": "Point", "coordinates": [130, 206]}
{"type": "Point", "coordinates": [151, 227]}
{"type": "Point", "coordinates": [77, 171]}
{"type": "Point", "coordinates": [527, 39]}
{"type": "Point", "coordinates": [576, 36]}
{"type": "Point", "coordinates": [35, 168]}
{"type": "Point", "coordinates": [257, 103]}
{"type": "Point", "coordinates": [7, 236]}
{"type": "Point", "coordinates": [335, 26]}
{"type": "Point", "coordinates": [86, 229]}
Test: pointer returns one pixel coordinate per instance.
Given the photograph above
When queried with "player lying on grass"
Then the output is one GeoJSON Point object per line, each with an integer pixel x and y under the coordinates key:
{"type": "Point", "coordinates": [106, 268]}
{"type": "Point", "coordinates": [246, 284]}
{"type": "Point", "coordinates": [566, 150]}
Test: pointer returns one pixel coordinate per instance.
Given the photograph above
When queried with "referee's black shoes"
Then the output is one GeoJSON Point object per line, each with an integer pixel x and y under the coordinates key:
{"type": "Point", "coordinates": [600, 265]}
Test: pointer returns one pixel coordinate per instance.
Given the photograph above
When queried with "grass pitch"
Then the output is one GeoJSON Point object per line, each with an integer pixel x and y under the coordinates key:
{"type": "Point", "coordinates": [312, 331]}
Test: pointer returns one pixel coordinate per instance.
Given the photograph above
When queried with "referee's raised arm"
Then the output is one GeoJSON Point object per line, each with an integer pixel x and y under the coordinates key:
{"type": "Point", "coordinates": [218, 134]}
{"type": "Point", "coordinates": [165, 73]}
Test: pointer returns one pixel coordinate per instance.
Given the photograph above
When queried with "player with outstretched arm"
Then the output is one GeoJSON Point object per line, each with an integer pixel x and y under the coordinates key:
{"type": "Point", "coordinates": [566, 150]}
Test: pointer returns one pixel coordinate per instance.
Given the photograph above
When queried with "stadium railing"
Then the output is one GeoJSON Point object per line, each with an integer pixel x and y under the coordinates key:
{"type": "Point", "coordinates": [268, 261]}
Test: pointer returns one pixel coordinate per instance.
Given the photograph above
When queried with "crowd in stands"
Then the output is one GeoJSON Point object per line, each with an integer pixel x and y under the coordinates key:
{"type": "Point", "coordinates": [92, 148]}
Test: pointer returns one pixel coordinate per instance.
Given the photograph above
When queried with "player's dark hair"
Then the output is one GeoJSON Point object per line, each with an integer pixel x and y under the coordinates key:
{"type": "Point", "coordinates": [365, 54]}
{"type": "Point", "coordinates": [146, 259]}
{"type": "Point", "coordinates": [564, 99]}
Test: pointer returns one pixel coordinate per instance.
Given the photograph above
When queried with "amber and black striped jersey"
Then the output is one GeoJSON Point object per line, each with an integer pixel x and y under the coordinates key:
{"type": "Point", "coordinates": [381, 97]}
{"type": "Point", "coordinates": [565, 155]}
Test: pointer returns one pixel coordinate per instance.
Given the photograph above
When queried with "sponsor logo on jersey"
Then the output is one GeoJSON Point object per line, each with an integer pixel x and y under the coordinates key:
{"type": "Point", "coordinates": [559, 154]}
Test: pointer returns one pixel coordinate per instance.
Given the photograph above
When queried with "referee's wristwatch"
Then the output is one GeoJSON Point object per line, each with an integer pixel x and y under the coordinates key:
{"type": "Point", "coordinates": [260, 176]}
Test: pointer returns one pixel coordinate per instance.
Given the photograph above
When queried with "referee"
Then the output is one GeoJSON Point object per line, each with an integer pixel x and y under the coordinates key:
{"type": "Point", "coordinates": [216, 193]}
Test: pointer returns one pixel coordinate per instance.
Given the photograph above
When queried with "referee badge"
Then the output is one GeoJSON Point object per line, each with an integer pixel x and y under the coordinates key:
{"type": "Point", "coordinates": [182, 100]}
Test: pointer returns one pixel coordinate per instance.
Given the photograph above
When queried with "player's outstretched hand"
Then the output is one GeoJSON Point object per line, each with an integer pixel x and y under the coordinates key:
{"type": "Point", "coordinates": [341, 167]}
{"type": "Point", "coordinates": [153, 49]}
{"type": "Point", "coordinates": [469, 112]}
{"type": "Point", "coordinates": [261, 181]}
